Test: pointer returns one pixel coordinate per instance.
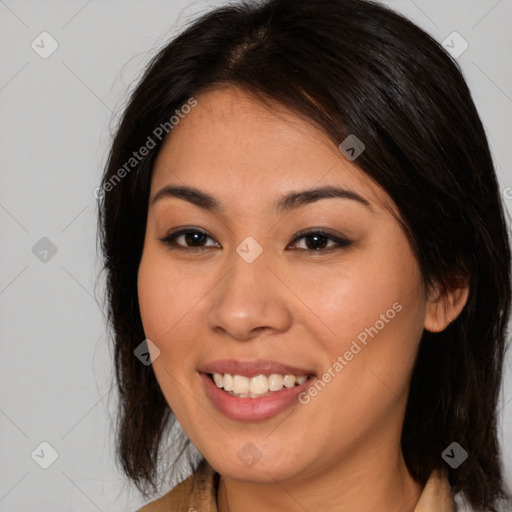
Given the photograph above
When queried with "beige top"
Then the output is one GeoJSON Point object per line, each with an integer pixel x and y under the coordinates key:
{"type": "Point", "coordinates": [198, 493]}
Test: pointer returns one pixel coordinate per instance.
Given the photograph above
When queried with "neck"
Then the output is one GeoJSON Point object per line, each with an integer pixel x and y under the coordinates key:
{"type": "Point", "coordinates": [376, 483]}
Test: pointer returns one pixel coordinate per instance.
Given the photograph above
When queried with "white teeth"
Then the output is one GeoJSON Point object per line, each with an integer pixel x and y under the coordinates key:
{"type": "Point", "coordinates": [228, 381]}
{"type": "Point", "coordinates": [240, 384]}
{"type": "Point", "coordinates": [275, 382]}
{"type": "Point", "coordinates": [289, 381]}
{"type": "Point", "coordinates": [258, 386]}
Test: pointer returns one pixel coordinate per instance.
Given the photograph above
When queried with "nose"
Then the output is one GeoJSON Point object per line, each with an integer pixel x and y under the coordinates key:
{"type": "Point", "coordinates": [249, 301]}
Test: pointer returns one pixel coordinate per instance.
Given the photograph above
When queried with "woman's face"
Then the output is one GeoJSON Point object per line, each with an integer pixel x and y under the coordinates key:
{"type": "Point", "coordinates": [245, 292]}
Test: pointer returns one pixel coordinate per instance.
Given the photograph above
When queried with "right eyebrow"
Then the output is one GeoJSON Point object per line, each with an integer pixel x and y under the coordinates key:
{"type": "Point", "coordinates": [190, 194]}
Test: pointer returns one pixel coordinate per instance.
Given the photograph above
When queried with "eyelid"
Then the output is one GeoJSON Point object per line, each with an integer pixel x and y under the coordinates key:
{"type": "Point", "coordinates": [170, 238]}
{"type": "Point", "coordinates": [340, 240]}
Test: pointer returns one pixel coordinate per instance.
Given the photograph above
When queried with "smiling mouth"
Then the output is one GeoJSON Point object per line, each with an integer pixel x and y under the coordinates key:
{"type": "Point", "coordinates": [258, 386]}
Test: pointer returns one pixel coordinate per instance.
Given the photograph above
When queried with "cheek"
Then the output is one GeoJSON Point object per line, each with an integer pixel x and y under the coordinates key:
{"type": "Point", "coordinates": [166, 303]}
{"type": "Point", "coordinates": [165, 299]}
{"type": "Point", "coordinates": [368, 358]}
{"type": "Point", "coordinates": [372, 311]}
{"type": "Point", "coordinates": [350, 297]}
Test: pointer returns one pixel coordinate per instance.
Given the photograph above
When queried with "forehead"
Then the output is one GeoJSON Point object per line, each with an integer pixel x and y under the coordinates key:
{"type": "Point", "coordinates": [233, 141]}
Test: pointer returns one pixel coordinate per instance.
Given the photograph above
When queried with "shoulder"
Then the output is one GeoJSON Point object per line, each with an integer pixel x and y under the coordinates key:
{"type": "Point", "coordinates": [437, 495]}
{"type": "Point", "coordinates": [197, 492]}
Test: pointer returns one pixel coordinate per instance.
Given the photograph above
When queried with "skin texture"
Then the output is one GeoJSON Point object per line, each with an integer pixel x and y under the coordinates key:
{"type": "Point", "coordinates": [299, 306]}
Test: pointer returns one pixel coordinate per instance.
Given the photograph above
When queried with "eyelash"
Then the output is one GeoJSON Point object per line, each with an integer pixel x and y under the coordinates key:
{"type": "Point", "coordinates": [170, 240]}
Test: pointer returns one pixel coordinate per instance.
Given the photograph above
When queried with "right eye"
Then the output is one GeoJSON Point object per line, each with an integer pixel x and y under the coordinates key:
{"type": "Point", "coordinates": [186, 239]}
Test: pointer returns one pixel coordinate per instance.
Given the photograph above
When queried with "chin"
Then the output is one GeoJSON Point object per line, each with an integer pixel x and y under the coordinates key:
{"type": "Point", "coordinates": [252, 464]}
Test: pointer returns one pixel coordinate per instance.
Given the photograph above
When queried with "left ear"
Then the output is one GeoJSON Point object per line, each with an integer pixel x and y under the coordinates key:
{"type": "Point", "coordinates": [444, 306]}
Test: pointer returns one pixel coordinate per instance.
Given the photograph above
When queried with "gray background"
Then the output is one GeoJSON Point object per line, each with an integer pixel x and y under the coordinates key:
{"type": "Point", "coordinates": [56, 117]}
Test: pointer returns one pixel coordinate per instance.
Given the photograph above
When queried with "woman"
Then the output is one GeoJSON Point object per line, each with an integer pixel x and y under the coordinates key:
{"type": "Point", "coordinates": [303, 233]}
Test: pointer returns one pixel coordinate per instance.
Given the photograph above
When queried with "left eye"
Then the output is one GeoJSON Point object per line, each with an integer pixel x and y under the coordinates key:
{"type": "Point", "coordinates": [318, 241]}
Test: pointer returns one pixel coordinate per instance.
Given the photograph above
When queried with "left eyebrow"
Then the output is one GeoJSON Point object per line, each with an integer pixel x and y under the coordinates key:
{"type": "Point", "coordinates": [286, 203]}
{"type": "Point", "coordinates": [303, 197]}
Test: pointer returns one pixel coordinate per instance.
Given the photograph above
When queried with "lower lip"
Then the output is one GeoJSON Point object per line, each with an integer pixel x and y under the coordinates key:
{"type": "Point", "coordinates": [252, 409]}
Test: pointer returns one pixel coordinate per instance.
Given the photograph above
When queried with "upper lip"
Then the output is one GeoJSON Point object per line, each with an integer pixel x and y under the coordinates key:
{"type": "Point", "coordinates": [253, 368]}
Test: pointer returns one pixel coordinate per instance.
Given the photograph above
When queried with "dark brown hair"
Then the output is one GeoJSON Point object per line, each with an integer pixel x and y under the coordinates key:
{"type": "Point", "coordinates": [349, 67]}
